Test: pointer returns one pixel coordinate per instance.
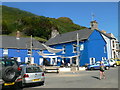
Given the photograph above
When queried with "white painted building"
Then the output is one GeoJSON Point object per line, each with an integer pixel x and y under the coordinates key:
{"type": "Point", "coordinates": [112, 45]}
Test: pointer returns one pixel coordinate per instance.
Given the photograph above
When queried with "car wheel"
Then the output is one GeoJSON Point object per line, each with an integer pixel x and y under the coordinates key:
{"type": "Point", "coordinates": [114, 65]}
{"type": "Point", "coordinates": [91, 68]}
{"type": "Point", "coordinates": [107, 68]}
{"type": "Point", "coordinates": [9, 74]}
{"type": "Point", "coordinates": [42, 83]}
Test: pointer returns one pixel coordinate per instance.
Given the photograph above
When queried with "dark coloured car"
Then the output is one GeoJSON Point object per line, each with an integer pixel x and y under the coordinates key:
{"type": "Point", "coordinates": [9, 72]}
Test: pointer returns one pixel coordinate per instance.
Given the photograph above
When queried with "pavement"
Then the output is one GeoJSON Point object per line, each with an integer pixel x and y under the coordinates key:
{"type": "Point", "coordinates": [81, 79]}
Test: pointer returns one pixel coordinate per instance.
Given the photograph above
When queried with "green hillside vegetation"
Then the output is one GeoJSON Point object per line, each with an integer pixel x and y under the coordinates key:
{"type": "Point", "coordinates": [40, 27]}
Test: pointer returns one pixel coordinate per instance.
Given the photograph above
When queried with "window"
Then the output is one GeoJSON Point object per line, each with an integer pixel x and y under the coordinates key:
{"type": "Point", "coordinates": [105, 49]}
{"type": "Point", "coordinates": [113, 44]}
{"type": "Point", "coordinates": [29, 52]}
{"type": "Point", "coordinates": [103, 58]}
{"type": "Point", "coordinates": [92, 60]}
{"type": "Point", "coordinates": [33, 69]}
{"type": "Point", "coordinates": [29, 59]}
{"type": "Point", "coordinates": [5, 51]}
{"type": "Point", "coordinates": [41, 51]}
{"type": "Point", "coordinates": [64, 49]}
{"type": "Point", "coordinates": [82, 47]}
{"type": "Point", "coordinates": [18, 59]}
{"type": "Point", "coordinates": [74, 48]}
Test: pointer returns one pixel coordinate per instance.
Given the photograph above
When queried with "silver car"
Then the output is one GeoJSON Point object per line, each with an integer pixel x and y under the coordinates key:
{"type": "Point", "coordinates": [32, 74]}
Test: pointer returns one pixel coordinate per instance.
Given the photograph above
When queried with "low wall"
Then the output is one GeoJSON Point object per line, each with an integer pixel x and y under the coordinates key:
{"type": "Point", "coordinates": [64, 69]}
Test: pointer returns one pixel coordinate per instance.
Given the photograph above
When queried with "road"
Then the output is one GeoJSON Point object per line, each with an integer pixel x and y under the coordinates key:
{"type": "Point", "coordinates": [81, 79]}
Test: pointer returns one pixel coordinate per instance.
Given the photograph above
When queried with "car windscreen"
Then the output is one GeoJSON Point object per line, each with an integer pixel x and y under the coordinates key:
{"type": "Point", "coordinates": [33, 69]}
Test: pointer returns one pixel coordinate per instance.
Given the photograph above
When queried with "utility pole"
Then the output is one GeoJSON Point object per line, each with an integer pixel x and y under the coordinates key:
{"type": "Point", "coordinates": [78, 52]}
{"type": "Point", "coordinates": [31, 49]}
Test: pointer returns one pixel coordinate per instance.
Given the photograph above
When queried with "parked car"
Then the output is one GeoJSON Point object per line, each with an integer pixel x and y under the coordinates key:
{"type": "Point", "coordinates": [112, 63]}
{"type": "Point", "coordinates": [97, 66]}
{"type": "Point", "coordinates": [117, 61]}
{"type": "Point", "coordinates": [9, 72]}
{"type": "Point", "coordinates": [31, 74]}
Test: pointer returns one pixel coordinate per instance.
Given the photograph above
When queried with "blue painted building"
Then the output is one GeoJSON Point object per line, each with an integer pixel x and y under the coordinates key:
{"type": "Point", "coordinates": [20, 48]}
{"type": "Point", "coordinates": [92, 47]}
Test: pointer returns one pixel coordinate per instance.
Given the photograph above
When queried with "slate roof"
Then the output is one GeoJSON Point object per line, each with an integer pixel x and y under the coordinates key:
{"type": "Point", "coordinates": [22, 43]}
{"type": "Point", "coordinates": [107, 35]}
{"type": "Point", "coordinates": [70, 37]}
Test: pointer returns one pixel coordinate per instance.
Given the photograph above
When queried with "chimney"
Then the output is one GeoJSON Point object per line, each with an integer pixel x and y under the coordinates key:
{"type": "Point", "coordinates": [111, 35]}
{"type": "Point", "coordinates": [94, 25]}
{"type": "Point", "coordinates": [54, 32]}
{"type": "Point", "coordinates": [18, 35]}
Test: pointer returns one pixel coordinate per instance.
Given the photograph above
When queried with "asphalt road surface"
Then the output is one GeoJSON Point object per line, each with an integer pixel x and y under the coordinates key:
{"type": "Point", "coordinates": [81, 79]}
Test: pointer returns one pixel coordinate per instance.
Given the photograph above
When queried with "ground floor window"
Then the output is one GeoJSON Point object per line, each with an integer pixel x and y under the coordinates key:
{"type": "Point", "coordinates": [92, 60]}
{"type": "Point", "coordinates": [29, 59]}
{"type": "Point", "coordinates": [41, 61]}
{"type": "Point", "coordinates": [46, 62]}
{"type": "Point", "coordinates": [18, 59]}
{"type": "Point", "coordinates": [103, 58]}
{"type": "Point", "coordinates": [54, 61]}
{"type": "Point", "coordinates": [74, 60]}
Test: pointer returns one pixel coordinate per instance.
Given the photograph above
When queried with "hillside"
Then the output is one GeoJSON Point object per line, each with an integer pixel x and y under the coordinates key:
{"type": "Point", "coordinates": [14, 19]}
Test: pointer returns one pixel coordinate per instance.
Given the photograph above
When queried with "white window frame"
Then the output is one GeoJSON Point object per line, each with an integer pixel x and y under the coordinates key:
{"type": "Point", "coordinates": [41, 61]}
{"type": "Point", "coordinates": [19, 59]}
{"type": "Point", "coordinates": [26, 60]}
{"type": "Point", "coordinates": [63, 52]}
{"type": "Point", "coordinates": [5, 51]}
{"type": "Point", "coordinates": [105, 49]}
{"type": "Point", "coordinates": [29, 52]}
{"type": "Point", "coordinates": [74, 47]}
{"type": "Point", "coordinates": [92, 58]}
{"type": "Point", "coordinates": [81, 47]}
{"type": "Point", "coordinates": [104, 58]}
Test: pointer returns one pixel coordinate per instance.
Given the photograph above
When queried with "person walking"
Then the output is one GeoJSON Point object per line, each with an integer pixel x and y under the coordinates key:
{"type": "Point", "coordinates": [102, 70]}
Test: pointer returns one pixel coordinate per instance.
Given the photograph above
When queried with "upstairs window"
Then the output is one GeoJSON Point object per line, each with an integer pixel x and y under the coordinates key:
{"type": "Point", "coordinates": [81, 47]}
{"type": "Point", "coordinates": [29, 51]}
{"type": "Point", "coordinates": [105, 49]}
{"type": "Point", "coordinates": [74, 48]}
{"type": "Point", "coordinates": [5, 51]}
{"type": "Point", "coordinates": [64, 49]}
{"type": "Point", "coordinates": [113, 44]}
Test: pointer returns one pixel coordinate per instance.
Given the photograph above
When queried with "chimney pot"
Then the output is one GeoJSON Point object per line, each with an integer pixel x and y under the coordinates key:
{"type": "Point", "coordinates": [18, 35]}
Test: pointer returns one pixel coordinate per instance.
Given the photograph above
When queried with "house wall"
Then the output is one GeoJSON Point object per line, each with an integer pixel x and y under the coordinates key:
{"type": "Point", "coordinates": [109, 50]}
{"type": "Point", "coordinates": [96, 46]}
{"type": "Point", "coordinates": [1, 51]}
{"type": "Point", "coordinates": [92, 48]}
{"type": "Point", "coordinates": [23, 54]}
{"type": "Point", "coordinates": [114, 48]}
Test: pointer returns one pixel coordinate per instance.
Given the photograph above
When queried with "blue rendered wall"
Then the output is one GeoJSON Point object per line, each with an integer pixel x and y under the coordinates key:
{"type": "Point", "coordinates": [95, 45]}
{"type": "Point", "coordinates": [22, 53]}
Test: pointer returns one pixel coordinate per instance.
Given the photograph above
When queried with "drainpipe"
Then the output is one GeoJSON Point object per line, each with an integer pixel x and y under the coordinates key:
{"type": "Point", "coordinates": [78, 52]}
